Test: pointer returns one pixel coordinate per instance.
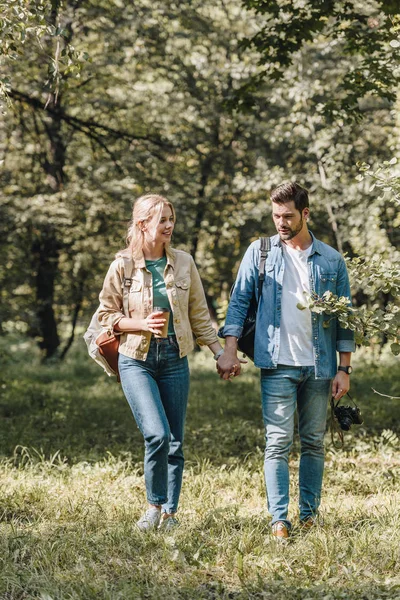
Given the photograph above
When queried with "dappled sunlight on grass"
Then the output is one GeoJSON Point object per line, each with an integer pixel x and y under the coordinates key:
{"type": "Point", "coordinates": [72, 489]}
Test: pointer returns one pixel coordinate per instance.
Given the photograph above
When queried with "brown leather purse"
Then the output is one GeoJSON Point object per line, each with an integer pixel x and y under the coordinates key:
{"type": "Point", "coordinates": [108, 344]}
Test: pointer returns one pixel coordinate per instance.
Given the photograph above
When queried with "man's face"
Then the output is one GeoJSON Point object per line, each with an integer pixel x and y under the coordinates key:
{"type": "Point", "coordinates": [288, 220]}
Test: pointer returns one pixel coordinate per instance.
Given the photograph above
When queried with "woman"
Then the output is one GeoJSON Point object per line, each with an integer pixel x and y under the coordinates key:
{"type": "Point", "coordinates": [154, 370]}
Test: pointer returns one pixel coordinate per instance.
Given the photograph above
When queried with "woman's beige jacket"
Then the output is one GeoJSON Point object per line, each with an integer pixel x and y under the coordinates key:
{"type": "Point", "coordinates": [185, 293]}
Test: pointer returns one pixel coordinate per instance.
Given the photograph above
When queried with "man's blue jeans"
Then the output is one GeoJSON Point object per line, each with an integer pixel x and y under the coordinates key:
{"type": "Point", "coordinates": [157, 391]}
{"type": "Point", "coordinates": [282, 390]}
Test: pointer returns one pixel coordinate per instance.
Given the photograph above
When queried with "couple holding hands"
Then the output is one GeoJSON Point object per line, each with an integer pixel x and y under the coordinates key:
{"type": "Point", "coordinates": [296, 350]}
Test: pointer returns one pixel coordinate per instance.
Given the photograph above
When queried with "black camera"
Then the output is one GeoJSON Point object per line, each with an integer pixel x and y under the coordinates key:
{"type": "Point", "coordinates": [348, 416]}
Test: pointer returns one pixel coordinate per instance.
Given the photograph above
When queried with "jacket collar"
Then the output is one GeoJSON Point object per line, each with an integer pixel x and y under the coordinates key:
{"type": "Point", "coordinates": [140, 262]}
{"type": "Point", "coordinates": [316, 244]}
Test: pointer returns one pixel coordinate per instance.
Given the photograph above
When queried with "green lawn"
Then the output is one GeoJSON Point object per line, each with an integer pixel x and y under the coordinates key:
{"type": "Point", "coordinates": [72, 488]}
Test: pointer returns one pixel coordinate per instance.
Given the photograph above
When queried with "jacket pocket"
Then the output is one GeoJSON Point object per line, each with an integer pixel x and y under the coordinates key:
{"type": "Point", "coordinates": [183, 285]}
{"type": "Point", "coordinates": [135, 295]}
{"type": "Point", "coordinates": [328, 282]}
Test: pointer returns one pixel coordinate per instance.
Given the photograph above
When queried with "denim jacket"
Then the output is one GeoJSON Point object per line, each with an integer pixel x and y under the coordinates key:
{"type": "Point", "coordinates": [185, 293]}
{"type": "Point", "coordinates": [326, 270]}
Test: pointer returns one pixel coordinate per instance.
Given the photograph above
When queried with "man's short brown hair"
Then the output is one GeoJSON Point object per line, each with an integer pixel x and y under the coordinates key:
{"type": "Point", "coordinates": [288, 191]}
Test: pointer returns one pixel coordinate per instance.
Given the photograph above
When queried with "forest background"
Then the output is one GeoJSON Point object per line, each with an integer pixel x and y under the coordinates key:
{"type": "Point", "coordinates": [106, 101]}
{"type": "Point", "coordinates": [211, 104]}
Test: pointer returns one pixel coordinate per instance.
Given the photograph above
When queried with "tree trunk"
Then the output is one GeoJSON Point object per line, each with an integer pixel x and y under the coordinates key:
{"type": "Point", "coordinates": [45, 252]}
{"type": "Point", "coordinates": [46, 244]}
{"type": "Point", "coordinates": [78, 305]}
{"type": "Point", "coordinates": [206, 169]}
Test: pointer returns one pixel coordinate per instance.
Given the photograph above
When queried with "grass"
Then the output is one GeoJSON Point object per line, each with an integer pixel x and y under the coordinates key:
{"type": "Point", "coordinates": [71, 488]}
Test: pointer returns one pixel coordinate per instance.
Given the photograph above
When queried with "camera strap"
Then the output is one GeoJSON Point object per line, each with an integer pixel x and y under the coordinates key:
{"type": "Point", "coordinates": [335, 428]}
{"type": "Point", "coordinates": [333, 405]}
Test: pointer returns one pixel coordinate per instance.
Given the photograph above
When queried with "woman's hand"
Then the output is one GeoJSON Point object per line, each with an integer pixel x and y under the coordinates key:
{"type": "Point", "coordinates": [154, 322]}
{"type": "Point", "coordinates": [229, 365]}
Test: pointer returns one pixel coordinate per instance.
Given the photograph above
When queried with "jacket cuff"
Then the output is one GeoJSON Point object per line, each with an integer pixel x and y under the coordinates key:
{"type": "Point", "coordinates": [345, 346]}
{"type": "Point", "coordinates": [207, 340]}
{"type": "Point", "coordinates": [233, 330]}
{"type": "Point", "coordinates": [115, 322]}
{"type": "Point", "coordinates": [110, 321]}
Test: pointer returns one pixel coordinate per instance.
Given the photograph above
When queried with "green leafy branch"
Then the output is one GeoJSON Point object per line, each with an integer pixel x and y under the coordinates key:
{"type": "Point", "coordinates": [374, 276]}
{"type": "Point", "coordinates": [26, 23]}
{"type": "Point", "coordinates": [366, 322]}
{"type": "Point", "coordinates": [368, 36]}
{"type": "Point", "coordinates": [385, 178]}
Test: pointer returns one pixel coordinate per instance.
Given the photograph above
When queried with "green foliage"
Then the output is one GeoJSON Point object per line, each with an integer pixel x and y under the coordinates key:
{"type": "Point", "coordinates": [365, 34]}
{"type": "Point", "coordinates": [161, 124]}
{"type": "Point", "coordinates": [151, 112]}
{"type": "Point", "coordinates": [26, 23]}
{"type": "Point", "coordinates": [366, 323]}
{"type": "Point", "coordinates": [20, 18]}
{"type": "Point", "coordinates": [385, 178]}
{"type": "Point", "coordinates": [376, 277]}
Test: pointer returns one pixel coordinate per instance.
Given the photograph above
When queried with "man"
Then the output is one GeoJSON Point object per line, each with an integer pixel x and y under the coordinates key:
{"type": "Point", "coordinates": [294, 348]}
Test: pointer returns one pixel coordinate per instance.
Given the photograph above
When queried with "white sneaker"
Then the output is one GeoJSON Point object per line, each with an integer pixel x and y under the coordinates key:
{"type": "Point", "coordinates": [150, 520]}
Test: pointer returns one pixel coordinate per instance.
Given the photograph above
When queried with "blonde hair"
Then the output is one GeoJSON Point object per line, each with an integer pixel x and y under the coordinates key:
{"type": "Point", "coordinates": [144, 210]}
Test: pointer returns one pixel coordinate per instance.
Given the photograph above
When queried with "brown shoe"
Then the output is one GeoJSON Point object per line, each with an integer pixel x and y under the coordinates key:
{"type": "Point", "coordinates": [311, 522]}
{"type": "Point", "coordinates": [280, 531]}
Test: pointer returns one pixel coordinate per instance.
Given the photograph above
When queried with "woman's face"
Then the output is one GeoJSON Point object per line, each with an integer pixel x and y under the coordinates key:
{"type": "Point", "coordinates": [161, 231]}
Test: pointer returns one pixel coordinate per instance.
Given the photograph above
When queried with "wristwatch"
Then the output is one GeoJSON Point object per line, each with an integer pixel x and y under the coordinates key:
{"type": "Point", "coordinates": [347, 370]}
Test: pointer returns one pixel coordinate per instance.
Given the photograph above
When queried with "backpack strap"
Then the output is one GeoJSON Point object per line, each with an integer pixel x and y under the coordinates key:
{"type": "Point", "coordinates": [128, 270]}
{"type": "Point", "coordinates": [265, 247]}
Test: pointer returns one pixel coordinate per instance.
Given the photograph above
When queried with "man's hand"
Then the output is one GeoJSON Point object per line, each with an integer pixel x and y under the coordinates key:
{"type": "Point", "coordinates": [228, 365]}
{"type": "Point", "coordinates": [340, 385]}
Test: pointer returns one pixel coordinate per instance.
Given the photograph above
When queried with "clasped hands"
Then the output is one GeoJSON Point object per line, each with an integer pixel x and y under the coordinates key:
{"type": "Point", "coordinates": [229, 365]}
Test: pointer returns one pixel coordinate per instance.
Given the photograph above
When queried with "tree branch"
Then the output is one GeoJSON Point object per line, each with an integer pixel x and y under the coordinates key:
{"type": "Point", "coordinates": [385, 395]}
{"type": "Point", "coordinates": [87, 125]}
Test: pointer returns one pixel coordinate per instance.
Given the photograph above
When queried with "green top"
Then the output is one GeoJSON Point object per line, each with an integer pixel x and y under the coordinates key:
{"type": "Point", "coordinates": [160, 298]}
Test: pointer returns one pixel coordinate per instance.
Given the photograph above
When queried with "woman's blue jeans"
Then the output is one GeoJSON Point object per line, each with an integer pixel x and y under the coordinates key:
{"type": "Point", "coordinates": [157, 391]}
{"type": "Point", "coordinates": [282, 390]}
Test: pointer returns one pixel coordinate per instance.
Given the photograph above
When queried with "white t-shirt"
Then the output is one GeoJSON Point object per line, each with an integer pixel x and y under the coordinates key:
{"type": "Point", "coordinates": [296, 347]}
